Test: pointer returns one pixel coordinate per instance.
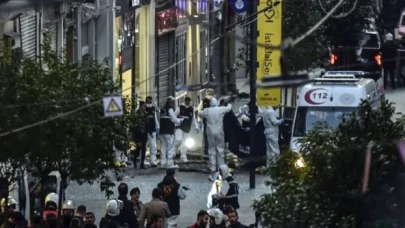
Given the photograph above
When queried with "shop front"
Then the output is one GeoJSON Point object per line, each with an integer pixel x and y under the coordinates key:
{"type": "Point", "coordinates": [166, 23]}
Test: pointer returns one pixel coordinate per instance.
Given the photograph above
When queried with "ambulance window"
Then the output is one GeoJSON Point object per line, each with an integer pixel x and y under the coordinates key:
{"type": "Point", "coordinates": [308, 117]}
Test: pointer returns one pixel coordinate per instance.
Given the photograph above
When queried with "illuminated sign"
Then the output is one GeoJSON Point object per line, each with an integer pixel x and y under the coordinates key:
{"type": "Point", "coordinates": [166, 21]}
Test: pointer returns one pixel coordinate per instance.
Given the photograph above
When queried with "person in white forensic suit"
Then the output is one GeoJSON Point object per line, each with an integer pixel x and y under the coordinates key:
{"type": "Point", "coordinates": [152, 129]}
{"type": "Point", "coordinates": [271, 124]}
{"type": "Point", "coordinates": [186, 113]}
{"type": "Point", "coordinates": [205, 103]}
{"type": "Point", "coordinates": [214, 117]}
{"type": "Point", "coordinates": [168, 122]}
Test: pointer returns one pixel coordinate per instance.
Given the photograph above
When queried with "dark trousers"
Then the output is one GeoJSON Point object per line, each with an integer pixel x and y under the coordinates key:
{"type": "Point", "coordinates": [140, 150]}
{"type": "Point", "coordinates": [205, 137]}
{"type": "Point", "coordinates": [389, 69]}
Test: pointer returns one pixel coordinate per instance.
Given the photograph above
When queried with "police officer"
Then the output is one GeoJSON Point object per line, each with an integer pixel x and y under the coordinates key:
{"type": "Point", "coordinates": [229, 191]}
{"type": "Point", "coordinates": [111, 219]}
{"type": "Point", "coordinates": [6, 210]}
{"type": "Point", "coordinates": [68, 210]}
{"type": "Point", "coordinates": [173, 192]}
{"type": "Point", "coordinates": [185, 112]}
{"type": "Point", "coordinates": [205, 103]}
{"type": "Point", "coordinates": [168, 121]}
{"type": "Point", "coordinates": [152, 128]}
{"type": "Point", "coordinates": [51, 205]}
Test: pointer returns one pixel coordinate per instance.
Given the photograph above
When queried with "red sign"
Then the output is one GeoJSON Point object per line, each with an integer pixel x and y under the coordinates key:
{"type": "Point", "coordinates": [166, 21]}
{"type": "Point", "coordinates": [316, 96]}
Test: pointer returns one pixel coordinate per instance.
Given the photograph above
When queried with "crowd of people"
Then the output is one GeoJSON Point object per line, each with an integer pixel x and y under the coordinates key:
{"type": "Point", "coordinates": [162, 211]}
{"type": "Point", "coordinates": [175, 124]}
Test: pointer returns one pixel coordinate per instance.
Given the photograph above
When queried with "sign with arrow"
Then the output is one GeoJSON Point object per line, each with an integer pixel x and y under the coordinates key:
{"type": "Point", "coordinates": [113, 106]}
{"type": "Point", "coordinates": [239, 6]}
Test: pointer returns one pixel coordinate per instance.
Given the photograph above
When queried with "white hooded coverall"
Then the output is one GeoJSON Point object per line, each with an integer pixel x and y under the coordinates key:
{"type": "Point", "coordinates": [215, 133]}
{"type": "Point", "coordinates": [152, 139]}
{"type": "Point", "coordinates": [271, 124]}
{"type": "Point", "coordinates": [180, 136]}
{"type": "Point", "coordinates": [167, 149]}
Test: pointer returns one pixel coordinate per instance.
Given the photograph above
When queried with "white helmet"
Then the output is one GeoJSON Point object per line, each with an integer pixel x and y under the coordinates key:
{"type": "Point", "coordinates": [217, 215]}
{"type": "Point", "coordinates": [10, 202]}
{"type": "Point", "coordinates": [114, 207]}
{"type": "Point", "coordinates": [52, 198]}
{"type": "Point", "coordinates": [68, 205]}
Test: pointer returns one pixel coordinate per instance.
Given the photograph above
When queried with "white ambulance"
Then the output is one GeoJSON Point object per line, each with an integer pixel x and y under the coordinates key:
{"type": "Point", "coordinates": [329, 99]}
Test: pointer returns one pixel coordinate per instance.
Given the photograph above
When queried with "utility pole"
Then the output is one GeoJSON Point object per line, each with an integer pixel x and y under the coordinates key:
{"type": "Point", "coordinates": [252, 107]}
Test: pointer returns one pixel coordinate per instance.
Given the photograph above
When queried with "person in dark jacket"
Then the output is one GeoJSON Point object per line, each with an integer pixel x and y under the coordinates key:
{"type": "Point", "coordinates": [13, 220]}
{"type": "Point", "coordinates": [173, 192]}
{"type": "Point", "coordinates": [389, 54]}
{"type": "Point", "coordinates": [234, 220]}
{"type": "Point", "coordinates": [202, 220]}
{"type": "Point", "coordinates": [80, 214]}
{"type": "Point", "coordinates": [140, 136]}
{"type": "Point", "coordinates": [127, 214]}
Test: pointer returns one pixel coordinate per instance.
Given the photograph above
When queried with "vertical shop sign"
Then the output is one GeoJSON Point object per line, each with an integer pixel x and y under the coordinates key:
{"type": "Point", "coordinates": [269, 32]}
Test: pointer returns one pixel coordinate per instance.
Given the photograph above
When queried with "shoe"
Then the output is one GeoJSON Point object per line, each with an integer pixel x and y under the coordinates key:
{"type": "Point", "coordinates": [211, 178]}
{"type": "Point", "coordinates": [142, 167]}
{"type": "Point", "coordinates": [173, 167]}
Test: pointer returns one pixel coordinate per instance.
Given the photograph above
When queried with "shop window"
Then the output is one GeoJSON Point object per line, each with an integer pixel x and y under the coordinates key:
{"type": "Point", "coordinates": [85, 34]}
{"type": "Point", "coordinates": [128, 31]}
{"type": "Point", "coordinates": [181, 54]}
{"type": "Point", "coordinates": [202, 6]}
{"type": "Point", "coordinates": [204, 56]}
{"type": "Point", "coordinates": [183, 8]}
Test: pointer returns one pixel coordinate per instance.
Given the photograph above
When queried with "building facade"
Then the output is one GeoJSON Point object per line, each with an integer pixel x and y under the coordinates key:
{"type": "Point", "coordinates": [144, 69]}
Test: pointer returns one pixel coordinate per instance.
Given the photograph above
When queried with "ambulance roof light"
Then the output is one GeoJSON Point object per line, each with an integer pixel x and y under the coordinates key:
{"type": "Point", "coordinates": [345, 72]}
{"type": "Point", "coordinates": [339, 76]}
{"type": "Point", "coordinates": [337, 80]}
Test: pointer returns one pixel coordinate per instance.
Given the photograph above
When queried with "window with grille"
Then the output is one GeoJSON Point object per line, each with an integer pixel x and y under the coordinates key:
{"type": "Point", "coordinates": [181, 54]}
{"type": "Point", "coordinates": [85, 34]}
{"type": "Point", "coordinates": [204, 56]}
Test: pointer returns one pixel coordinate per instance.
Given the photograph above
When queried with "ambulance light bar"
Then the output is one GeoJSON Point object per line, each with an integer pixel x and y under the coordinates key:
{"type": "Point", "coordinates": [336, 80]}
{"type": "Point", "coordinates": [355, 73]}
{"type": "Point", "coordinates": [339, 76]}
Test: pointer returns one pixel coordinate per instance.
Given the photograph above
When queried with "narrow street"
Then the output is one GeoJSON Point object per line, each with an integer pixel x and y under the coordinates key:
{"type": "Point", "coordinates": [146, 180]}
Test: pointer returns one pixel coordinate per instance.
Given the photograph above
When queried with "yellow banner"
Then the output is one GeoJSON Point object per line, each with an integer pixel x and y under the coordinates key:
{"type": "Point", "coordinates": [269, 32]}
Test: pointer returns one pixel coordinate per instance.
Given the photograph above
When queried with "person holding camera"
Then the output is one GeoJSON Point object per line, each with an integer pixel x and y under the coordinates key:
{"type": "Point", "coordinates": [173, 192]}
